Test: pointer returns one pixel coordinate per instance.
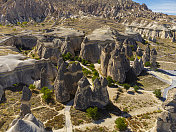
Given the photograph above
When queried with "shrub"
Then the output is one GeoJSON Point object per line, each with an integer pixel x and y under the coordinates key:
{"type": "Point", "coordinates": [158, 65]}
{"type": "Point", "coordinates": [99, 61]}
{"type": "Point", "coordinates": [67, 56]}
{"type": "Point", "coordinates": [84, 62]}
{"type": "Point", "coordinates": [110, 81]}
{"type": "Point", "coordinates": [94, 77]}
{"type": "Point", "coordinates": [47, 94]}
{"type": "Point", "coordinates": [79, 59]}
{"type": "Point", "coordinates": [32, 87]}
{"type": "Point", "coordinates": [136, 88]}
{"type": "Point", "coordinates": [147, 64]}
{"type": "Point", "coordinates": [33, 55]}
{"type": "Point", "coordinates": [86, 72]}
{"type": "Point", "coordinates": [121, 123]}
{"type": "Point", "coordinates": [95, 73]}
{"type": "Point", "coordinates": [93, 113]}
{"type": "Point", "coordinates": [126, 86]}
{"type": "Point", "coordinates": [157, 93]}
{"type": "Point", "coordinates": [76, 58]}
{"type": "Point", "coordinates": [92, 66]}
{"type": "Point", "coordinates": [24, 23]}
{"type": "Point", "coordinates": [131, 58]}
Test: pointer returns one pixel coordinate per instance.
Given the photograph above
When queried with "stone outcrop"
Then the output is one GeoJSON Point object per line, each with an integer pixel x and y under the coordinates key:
{"type": "Point", "coordinates": [66, 81]}
{"type": "Point", "coordinates": [118, 65]}
{"type": "Point", "coordinates": [146, 55]}
{"type": "Point", "coordinates": [166, 121]}
{"type": "Point", "coordinates": [153, 59]}
{"type": "Point", "coordinates": [21, 41]}
{"type": "Point", "coordinates": [83, 96]}
{"type": "Point", "coordinates": [25, 109]}
{"type": "Point", "coordinates": [26, 94]}
{"type": "Point", "coordinates": [27, 124]}
{"type": "Point", "coordinates": [86, 97]}
{"type": "Point", "coordinates": [128, 49]}
{"type": "Point", "coordinates": [2, 94]}
{"type": "Point", "coordinates": [138, 66]}
{"type": "Point", "coordinates": [90, 51]}
{"type": "Point", "coordinates": [139, 52]}
{"type": "Point", "coordinates": [16, 70]}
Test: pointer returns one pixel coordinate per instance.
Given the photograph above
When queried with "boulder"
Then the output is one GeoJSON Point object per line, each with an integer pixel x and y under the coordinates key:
{"type": "Point", "coordinates": [28, 124]}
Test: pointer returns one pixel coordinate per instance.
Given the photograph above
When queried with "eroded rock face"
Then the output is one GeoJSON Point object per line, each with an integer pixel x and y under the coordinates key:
{"type": "Point", "coordinates": [167, 121]}
{"type": "Point", "coordinates": [138, 66]}
{"type": "Point", "coordinates": [83, 96]}
{"type": "Point", "coordinates": [86, 97]}
{"type": "Point", "coordinates": [25, 109]}
{"type": "Point", "coordinates": [153, 59]}
{"type": "Point", "coordinates": [2, 94]}
{"type": "Point", "coordinates": [139, 52]}
{"type": "Point", "coordinates": [21, 41]}
{"type": "Point", "coordinates": [118, 65]}
{"type": "Point", "coordinates": [146, 56]}
{"type": "Point", "coordinates": [26, 94]}
{"type": "Point", "coordinates": [90, 51]}
{"type": "Point", "coordinates": [66, 82]}
{"type": "Point", "coordinates": [27, 124]}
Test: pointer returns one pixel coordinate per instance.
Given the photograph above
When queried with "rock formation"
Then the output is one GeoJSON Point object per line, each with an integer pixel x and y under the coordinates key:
{"type": "Point", "coordinates": [139, 52]}
{"type": "Point", "coordinates": [83, 96]}
{"type": "Point", "coordinates": [166, 122]}
{"type": "Point", "coordinates": [27, 124]}
{"type": "Point", "coordinates": [173, 38]}
{"type": "Point", "coordinates": [104, 58]}
{"type": "Point", "coordinates": [146, 55]}
{"type": "Point", "coordinates": [26, 94]}
{"type": "Point", "coordinates": [86, 97]}
{"type": "Point", "coordinates": [153, 59]}
{"type": "Point", "coordinates": [138, 66]}
{"type": "Point", "coordinates": [90, 51]}
{"type": "Point", "coordinates": [118, 65]}
{"type": "Point", "coordinates": [66, 81]}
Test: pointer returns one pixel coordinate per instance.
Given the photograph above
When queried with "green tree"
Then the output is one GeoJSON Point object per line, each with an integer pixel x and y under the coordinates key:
{"type": "Point", "coordinates": [147, 64]}
{"type": "Point", "coordinates": [126, 86]}
{"type": "Point", "coordinates": [110, 81]}
{"type": "Point", "coordinates": [136, 88]}
{"type": "Point", "coordinates": [93, 113]}
{"type": "Point", "coordinates": [157, 93]}
{"type": "Point", "coordinates": [47, 94]}
{"type": "Point", "coordinates": [99, 61]}
{"type": "Point", "coordinates": [121, 123]}
{"type": "Point", "coordinates": [32, 87]}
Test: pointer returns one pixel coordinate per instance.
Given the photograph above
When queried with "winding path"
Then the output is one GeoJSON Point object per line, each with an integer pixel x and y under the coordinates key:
{"type": "Point", "coordinates": [172, 75]}
{"type": "Point", "coordinates": [68, 123]}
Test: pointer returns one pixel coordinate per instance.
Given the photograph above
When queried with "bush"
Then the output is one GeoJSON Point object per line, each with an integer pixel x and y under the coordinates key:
{"type": "Point", "coordinates": [76, 58]}
{"type": "Point", "coordinates": [94, 77]}
{"type": "Point", "coordinates": [95, 73]}
{"type": "Point", "coordinates": [92, 66]}
{"type": "Point", "coordinates": [24, 23]}
{"type": "Point", "coordinates": [86, 72]}
{"type": "Point", "coordinates": [79, 59]}
{"type": "Point", "coordinates": [121, 123]}
{"type": "Point", "coordinates": [93, 113]}
{"type": "Point", "coordinates": [147, 64]}
{"type": "Point", "coordinates": [157, 93]}
{"type": "Point", "coordinates": [32, 87]}
{"type": "Point", "coordinates": [158, 65]}
{"type": "Point", "coordinates": [126, 86]}
{"type": "Point", "coordinates": [84, 62]}
{"type": "Point", "coordinates": [131, 58]}
{"type": "Point", "coordinates": [136, 88]}
{"type": "Point", "coordinates": [47, 94]}
{"type": "Point", "coordinates": [110, 81]}
{"type": "Point", "coordinates": [99, 61]}
{"type": "Point", "coordinates": [67, 56]}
